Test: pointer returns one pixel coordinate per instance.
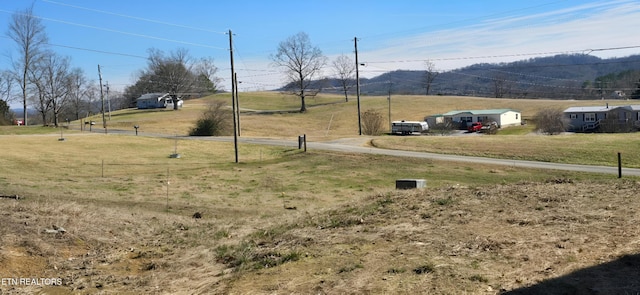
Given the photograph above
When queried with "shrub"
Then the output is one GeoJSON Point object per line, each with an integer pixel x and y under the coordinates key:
{"type": "Point", "coordinates": [551, 121]}
{"type": "Point", "coordinates": [215, 121]}
{"type": "Point", "coordinates": [442, 128]}
{"type": "Point", "coordinates": [372, 122]}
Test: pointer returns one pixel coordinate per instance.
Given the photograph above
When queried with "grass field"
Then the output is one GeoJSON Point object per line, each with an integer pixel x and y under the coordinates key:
{"type": "Point", "coordinates": [284, 221]}
{"type": "Point", "coordinates": [328, 116]}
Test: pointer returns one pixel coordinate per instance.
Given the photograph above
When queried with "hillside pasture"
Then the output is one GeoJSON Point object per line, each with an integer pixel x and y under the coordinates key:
{"type": "Point", "coordinates": [306, 221]}
{"type": "Point", "coordinates": [273, 114]}
{"type": "Point", "coordinates": [287, 221]}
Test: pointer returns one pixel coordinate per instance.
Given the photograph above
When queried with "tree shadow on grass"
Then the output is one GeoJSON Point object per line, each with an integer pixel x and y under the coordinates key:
{"type": "Point", "coordinates": [621, 276]}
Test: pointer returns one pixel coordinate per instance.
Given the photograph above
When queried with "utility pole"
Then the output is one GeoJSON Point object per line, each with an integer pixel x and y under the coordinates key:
{"type": "Point", "coordinates": [108, 100]}
{"type": "Point", "coordinates": [237, 101]}
{"type": "Point", "coordinates": [104, 121]}
{"type": "Point", "coordinates": [233, 96]}
{"type": "Point", "coordinates": [355, 42]}
{"type": "Point", "coordinates": [389, 99]}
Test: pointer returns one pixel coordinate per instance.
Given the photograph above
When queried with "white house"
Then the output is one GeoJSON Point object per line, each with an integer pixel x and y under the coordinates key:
{"type": "Point", "coordinates": [503, 117]}
{"type": "Point", "coordinates": [156, 100]}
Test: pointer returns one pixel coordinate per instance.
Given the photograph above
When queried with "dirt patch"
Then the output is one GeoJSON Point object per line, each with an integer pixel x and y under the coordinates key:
{"type": "Point", "coordinates": [554, 237]}
{"type": "Point", "coordinates": [557, 236]}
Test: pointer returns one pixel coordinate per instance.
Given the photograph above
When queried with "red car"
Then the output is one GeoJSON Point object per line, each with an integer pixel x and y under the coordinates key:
{"type": "Point", "coordinates": [474, 127]}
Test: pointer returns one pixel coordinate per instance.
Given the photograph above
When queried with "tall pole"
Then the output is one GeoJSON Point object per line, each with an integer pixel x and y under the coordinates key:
{"type": "Point", "coordinates": [355, 42]}
{"type": "Point", "coordinates": [108, 100]}
{"type": "Point", "coordinates": [104, 121]}
{"type": "Point", "coordinates": [389, 99]}
{"type": "Point", "coordinates": [233, 96]}
{"type": "Point", "coordinates": [237, 102]}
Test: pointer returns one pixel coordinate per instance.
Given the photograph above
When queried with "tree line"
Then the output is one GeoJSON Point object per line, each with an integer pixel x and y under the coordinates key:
{"type": "Point", "coordinates": [47, 83]}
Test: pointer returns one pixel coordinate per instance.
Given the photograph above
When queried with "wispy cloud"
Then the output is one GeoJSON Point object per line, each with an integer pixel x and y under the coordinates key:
{"type": "Point", "coordinates": [596, 25]}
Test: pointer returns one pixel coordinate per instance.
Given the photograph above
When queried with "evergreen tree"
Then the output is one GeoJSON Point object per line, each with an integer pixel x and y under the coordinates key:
{"type": "Point", "coordinates": [636, 94]}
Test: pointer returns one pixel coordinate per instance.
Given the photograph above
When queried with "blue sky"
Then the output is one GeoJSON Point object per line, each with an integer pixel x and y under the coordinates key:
{"type": "Point", "coordinates": [400, 34]}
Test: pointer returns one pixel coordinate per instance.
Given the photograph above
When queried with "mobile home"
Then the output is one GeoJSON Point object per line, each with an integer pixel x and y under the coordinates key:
{"type": "Point", "coordinates": [408, 127]}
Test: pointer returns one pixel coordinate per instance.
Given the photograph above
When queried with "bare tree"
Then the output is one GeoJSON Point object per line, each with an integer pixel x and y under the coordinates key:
{"type": "Point", "coordinates": [551, 121]}
{"type": "Point", "coordinates": [207, 81]}
{"type": "Point", "coordinates": [372, 122]}
{"type": "Point", "coordinates": [430, 75]}
{"type": "Point", "coordinates": [57, 83]}
{"type": "Point", "coordinates": [6, 83]}
{"type": "Point", "coordinates": [29, 34]}
{"type": "Point", "coordinates": [39, 98]}
{"type": "Point", "coordinates": [501, 85]}
{"type": "Point", "coordinates": [172, 73]}
{"type": "Point", "coordinates": [78, 89]}
{"type": "Point", "coordinates": [301, 62]}
{"type": "Point", "coordinates": [345, 69]}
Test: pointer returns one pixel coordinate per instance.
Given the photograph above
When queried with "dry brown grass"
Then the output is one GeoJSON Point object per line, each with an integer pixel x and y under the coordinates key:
{"type": "Point", "coordinates": [328, 116]}
{"type": "Point", "coordinates": [461, 240]}
{"type": "Point", "coordinates": [477, 229]}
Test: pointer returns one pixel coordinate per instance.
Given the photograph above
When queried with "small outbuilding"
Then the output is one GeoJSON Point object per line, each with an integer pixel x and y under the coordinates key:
{"type": "Point", "coordinates": [157, 101]}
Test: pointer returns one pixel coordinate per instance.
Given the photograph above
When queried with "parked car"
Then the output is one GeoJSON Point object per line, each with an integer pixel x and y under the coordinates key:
{"type": "Point", "coordinates": [475, 127]}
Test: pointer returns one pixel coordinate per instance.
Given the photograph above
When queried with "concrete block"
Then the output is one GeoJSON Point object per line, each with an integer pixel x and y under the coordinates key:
{"type": "Point", "coordinates": [410, 183]}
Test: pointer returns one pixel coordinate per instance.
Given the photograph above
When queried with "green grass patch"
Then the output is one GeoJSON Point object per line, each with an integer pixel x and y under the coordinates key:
{"type": "Point", "coordinates": [586, 149]}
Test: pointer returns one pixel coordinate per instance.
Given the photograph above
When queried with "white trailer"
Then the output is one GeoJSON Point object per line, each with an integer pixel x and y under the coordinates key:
{"type": "Point", "coordinates": [408, 127]}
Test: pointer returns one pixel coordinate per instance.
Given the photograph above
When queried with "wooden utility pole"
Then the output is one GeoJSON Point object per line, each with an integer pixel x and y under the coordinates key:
{"type": "Point", "coordinates": [237, 102]}
{"type": "Point", "coordinates": [389, 99]}
{"type": "Point", "coordinates": [355, 41]}
{"type": "Point", "coordinates": [104, 121]}
{"type": "Point", "coordinates": [233, 96]}
{"type": "Point", "coordinates": [108, 100]}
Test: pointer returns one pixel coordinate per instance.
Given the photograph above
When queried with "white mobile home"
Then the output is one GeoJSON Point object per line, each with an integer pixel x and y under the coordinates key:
{"type": "Point", "coordinates": [408, 127]}
{"type": "Point", "coordinates": [502, 117]}
{"type": "Point", "coordinates": [156, 101]}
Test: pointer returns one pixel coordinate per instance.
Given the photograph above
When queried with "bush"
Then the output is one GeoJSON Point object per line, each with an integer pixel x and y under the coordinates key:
{"type": "Point", "coordinates": [372, 122]}
{"type": "Point", "coordinates": [215, 121]}
{"type": "Point", "coordinates": [441, 128]}
{"type": "Point", "coordinates": [551, 121]}
{"type": "Point", "coordinates": [613, 124]}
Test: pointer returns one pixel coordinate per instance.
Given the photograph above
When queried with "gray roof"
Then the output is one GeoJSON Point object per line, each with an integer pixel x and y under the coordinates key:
{"type": "Point", "coordinates": [152, 96]}
{"type": "Point", "coordinates": [600, 109]}
{"type": "Point", "coordinates": [479, 112]}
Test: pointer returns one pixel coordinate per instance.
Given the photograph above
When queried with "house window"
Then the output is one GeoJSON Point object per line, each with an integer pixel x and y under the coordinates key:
{"type": "Point", "coordinates": [516, 116]}
{"type": "Point", "coordinates": [466, 119]}
{"type": "Point", "coordinates": [573, 116]}
{"type": "Point", "coordinates": [590, 117]}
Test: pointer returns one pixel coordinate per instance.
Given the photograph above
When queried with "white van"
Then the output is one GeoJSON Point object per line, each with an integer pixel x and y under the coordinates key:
{"type": "Point", "coordinates": [408, 127]}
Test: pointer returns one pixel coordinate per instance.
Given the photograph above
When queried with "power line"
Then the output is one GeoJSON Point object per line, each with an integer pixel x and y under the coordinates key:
{"type": "Point", "coordinates": [121, 32]}
{"type": "Point", "coordinates": [98, 51]}
{"type": "Point", "coordinates": [134, 17]}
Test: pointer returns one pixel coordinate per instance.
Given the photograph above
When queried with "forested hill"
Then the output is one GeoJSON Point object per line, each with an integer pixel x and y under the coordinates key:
{"type": "Point", "coordinates": [560, 77]}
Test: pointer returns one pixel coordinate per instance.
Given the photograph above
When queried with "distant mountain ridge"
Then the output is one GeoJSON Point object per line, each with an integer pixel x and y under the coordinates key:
{"type": "Point", "coordinates": [576, 76]}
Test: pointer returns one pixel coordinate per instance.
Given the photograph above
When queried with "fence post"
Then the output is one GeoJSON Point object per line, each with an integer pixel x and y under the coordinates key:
{"type": "Point", "coordinates": [305, 142]}
{"type": "Point", "coordinates": [619, 165]}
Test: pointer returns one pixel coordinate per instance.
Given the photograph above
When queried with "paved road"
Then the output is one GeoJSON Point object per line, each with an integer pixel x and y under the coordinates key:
{"type": "Point", "coordinates": [355, 145]}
